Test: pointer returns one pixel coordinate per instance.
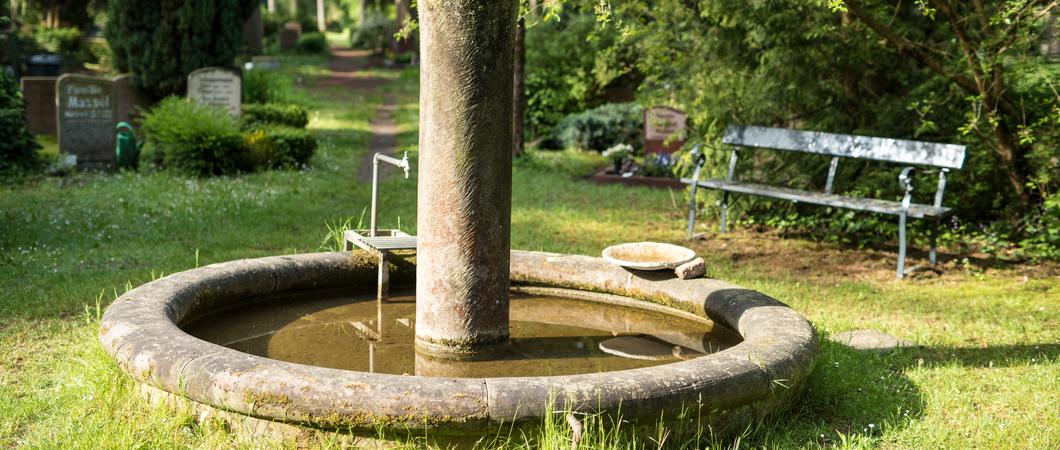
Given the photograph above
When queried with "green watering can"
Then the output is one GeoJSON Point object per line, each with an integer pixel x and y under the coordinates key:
{"type": "Point", "coordinates": [127, 149]}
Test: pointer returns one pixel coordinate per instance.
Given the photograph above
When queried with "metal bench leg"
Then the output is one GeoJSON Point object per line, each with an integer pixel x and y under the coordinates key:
{"type": "Point", "coordinates": [724, 210]}
{"type": "Point", "coordinates": [901, 245]}
{"type": "Point", "coordinates": [383, 288]}
{"type": "Point", "coordinates": [692, 212]}
{"type": "Point", "coordinates": [934, 244]}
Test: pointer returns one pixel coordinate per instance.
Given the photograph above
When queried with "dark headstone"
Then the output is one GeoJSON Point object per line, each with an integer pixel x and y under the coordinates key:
{"type": "Point", "coordinates": [130, 99]}
{"type": "Point", "coordinates": [39, 94]}
{"type": "Point", "coordinates": [253, 33]}
{"type": "Point", "coordinates": [86, 115]}
{"type": "Point", "coordinates": [289, 35]}
{"type": "Point", "coordinates": [217, 86]}
{"type": "Point", "coordinates": [44, 65]}
{"type": "Point", "coordinates": [664, 130]}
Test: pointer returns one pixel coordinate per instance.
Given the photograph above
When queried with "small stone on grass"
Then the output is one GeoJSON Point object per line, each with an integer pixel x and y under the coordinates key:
{"type": "Point", "coordinates": [871, 340]}
{"type": "Point", "coordinates": [692, 269]}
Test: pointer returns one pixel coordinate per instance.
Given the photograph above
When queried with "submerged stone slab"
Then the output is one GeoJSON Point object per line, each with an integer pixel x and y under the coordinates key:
{"type": "Point", "coordinates": [634, 347]}
{"type": "Point", "coordinates": [732, 387]}
{"type": "Point", "coordinates": [871, 340]}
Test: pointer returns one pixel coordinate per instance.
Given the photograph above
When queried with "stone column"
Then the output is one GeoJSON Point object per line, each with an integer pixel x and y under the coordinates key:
{"type": "Point", "coordinates": [465, 175]}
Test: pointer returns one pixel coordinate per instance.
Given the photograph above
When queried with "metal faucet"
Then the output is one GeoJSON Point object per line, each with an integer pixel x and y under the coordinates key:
{"type": "Point", "coordinates": [402, 163]}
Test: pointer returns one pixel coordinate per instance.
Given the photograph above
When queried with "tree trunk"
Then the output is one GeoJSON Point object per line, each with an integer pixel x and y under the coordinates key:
{"type": "Point", "coordinates": [51, 19]}
{"type": "Point", "coordinates": [362, 13]}
{"type": "Point", "coordinates": [1013, 157]}
{"type": "Point", "coordinates": [294, 8]}
{"type": "Point", "coordinates": [321, 19]}
{"type": "Point", "coordinates": [271, 6]}
{"type": "Point", "coordinates": [465, 175]}
{"type": "Point", "coordinates": [519, 94]}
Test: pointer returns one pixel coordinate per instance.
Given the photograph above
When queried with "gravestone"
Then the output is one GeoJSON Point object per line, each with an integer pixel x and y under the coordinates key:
{"type": "Point", "coordinates": [664, 130]}
{"type": "Point", "coordinates": [39, 94]}
{"type": "Point", "coordinates": [217, 86]}
{"type": "Point", "coordinates": [129, 99]}
{"type": "Point", "coordinates": [289, 35]}
{"type": "Point", "coordinates": [265, 62]}
{"type": "Point", "coordinates": [253, 33]}
{"type": "Point", "coordinates": [86, 115]}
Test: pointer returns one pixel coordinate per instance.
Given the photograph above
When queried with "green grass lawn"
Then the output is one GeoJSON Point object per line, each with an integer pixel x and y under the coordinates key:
{"type": "Point", "coordinates": [987, 374]}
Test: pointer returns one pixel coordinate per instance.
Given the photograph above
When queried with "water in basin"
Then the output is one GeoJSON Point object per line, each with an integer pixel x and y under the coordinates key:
{"type": "Point", "coordinates": [549, 336]}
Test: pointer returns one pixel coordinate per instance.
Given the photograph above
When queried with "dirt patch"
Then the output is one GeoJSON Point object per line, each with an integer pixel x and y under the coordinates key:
{"type": "Point", "coordinates": [787, 257]}
{"type": "Point", "coordinates": [347, 70]}
{"type": "Point", "coordinates": [384, 140]}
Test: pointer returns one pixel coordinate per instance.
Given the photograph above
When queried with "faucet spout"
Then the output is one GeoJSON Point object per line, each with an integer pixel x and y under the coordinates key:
{"type": "Point", "coordinates": [403, 163]}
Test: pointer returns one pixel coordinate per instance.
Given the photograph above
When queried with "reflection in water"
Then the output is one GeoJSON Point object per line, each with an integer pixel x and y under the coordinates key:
{"type": "Point", "coordinates": [549, 335]}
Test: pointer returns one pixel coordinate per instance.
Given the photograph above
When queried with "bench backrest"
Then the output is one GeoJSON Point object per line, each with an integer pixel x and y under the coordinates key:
{"type": "Point", "coordinates": [902, 151]}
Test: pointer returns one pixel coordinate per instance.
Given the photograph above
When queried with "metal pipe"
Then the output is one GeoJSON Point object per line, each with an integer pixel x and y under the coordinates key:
{"type": "Point", "coordinates": [698, 159]}
{"type": "Point", "coordinates": [402, 163]}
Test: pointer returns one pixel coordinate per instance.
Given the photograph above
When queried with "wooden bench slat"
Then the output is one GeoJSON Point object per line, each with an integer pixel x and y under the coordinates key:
{"type": "Point", "coordinates": [916, 210]}
{"type": "Point", "coordinates": [902, 151]}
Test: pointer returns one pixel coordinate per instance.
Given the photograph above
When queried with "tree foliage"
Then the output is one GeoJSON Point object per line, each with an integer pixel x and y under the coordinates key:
{"type": "Point", "coordinates": [161, 42]}
{"type": "Point", "coordinates": [570, 60]}
{"type": "Point", "coordinates": [966, 73]}
{"type": "Point", "coordinates": [18, 147]}
{"type": "Point", "coordinates": [985, 50]}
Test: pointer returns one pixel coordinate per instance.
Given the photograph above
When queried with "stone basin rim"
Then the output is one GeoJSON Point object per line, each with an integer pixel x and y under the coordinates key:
{"type": "Point", "coordinates": [751, 379]}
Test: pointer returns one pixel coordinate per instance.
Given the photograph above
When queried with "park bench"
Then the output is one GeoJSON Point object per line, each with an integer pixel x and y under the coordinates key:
{"type": "Point", "coordinates": [938, 157]}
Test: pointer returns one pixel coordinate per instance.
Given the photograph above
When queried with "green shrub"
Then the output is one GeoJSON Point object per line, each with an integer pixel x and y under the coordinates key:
{"type": "Point", "coordinates": [280, 148]}
{"type": "Point", "coordinates": [308, 23]}
{"type": "Point", "coordinates": [313, 43]}
{"type": "Point", "coordinates": [18, 148]}
{"type": "Point", "coordinates": [65, 42]}
{"type": "Point", "coordinates": [269, 86]}
{"type": "Point", "coordinates": [160, 46]}
{"type": "Point", "coordinates": [374, 33]}
{"type": "Point", "coordinates": [272, 22]}
{"type": "Point", "coordinates": [569, 62]}
{"type": "Point", "coordinates": [255, 114]}
{"type": "Point", "coordinates": [62, 41]}
{"type": "Point", "coordinates": [194, 139]}
{"type": "Point", "coordinates": [99, 52]}
{"type": "Point", "coordinates": [1042, 235]}
{"type": "Point", "coordinates": [600, 128]}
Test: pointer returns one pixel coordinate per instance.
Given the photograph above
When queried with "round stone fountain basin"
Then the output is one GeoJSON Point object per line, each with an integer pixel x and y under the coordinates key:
{"type": "Point", "coordinates": [760, 374]}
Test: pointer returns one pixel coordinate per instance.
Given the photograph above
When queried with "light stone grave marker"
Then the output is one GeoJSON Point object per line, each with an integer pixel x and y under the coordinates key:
{"type": "Point", "coordinates": [664, 130]}
{"type": "Point", "coordinates": [217, 86]}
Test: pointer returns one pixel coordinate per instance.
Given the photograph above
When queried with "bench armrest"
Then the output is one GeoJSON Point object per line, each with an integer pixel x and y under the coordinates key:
{"type": "Point", "coordinates": [698, 158]}
{"type": "Point", "coordinates": [905, 181]}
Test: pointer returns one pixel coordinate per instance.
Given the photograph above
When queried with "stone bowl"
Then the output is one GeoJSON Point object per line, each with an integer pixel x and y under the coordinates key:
{"type": "Point", "coordinates": [648, 255]}
{"type": "Point", "coordinates": [726, 390]}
